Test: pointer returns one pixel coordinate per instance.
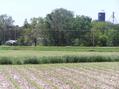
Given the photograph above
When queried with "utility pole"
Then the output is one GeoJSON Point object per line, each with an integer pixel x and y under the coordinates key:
{"type": "Point", "coordinates": [15, 34]}
{"type": "Point", "coordinates": [93, 38]}
{"type": "Point", "coordinates": [113, 17]}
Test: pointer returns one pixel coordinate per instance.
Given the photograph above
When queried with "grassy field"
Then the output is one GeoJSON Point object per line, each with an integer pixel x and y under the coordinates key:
{"type": "Point", "coordinates": [60, 76]}
{"type": "Point", "coordinates": [62, 48]}
{"type": "Point", "coordinates": [42, 55]}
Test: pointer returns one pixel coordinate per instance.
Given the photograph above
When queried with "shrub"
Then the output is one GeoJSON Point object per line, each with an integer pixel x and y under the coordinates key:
{"type": "Point", "coordinates": [6, 60]}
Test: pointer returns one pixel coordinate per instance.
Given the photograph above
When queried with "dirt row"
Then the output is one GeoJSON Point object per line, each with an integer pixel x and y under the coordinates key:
{"type": "Point", "coordinates": [61, 76]}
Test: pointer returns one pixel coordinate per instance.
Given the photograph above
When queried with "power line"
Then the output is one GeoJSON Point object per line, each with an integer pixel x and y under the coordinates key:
{"type": "Point", "coordinates": [113, 18]}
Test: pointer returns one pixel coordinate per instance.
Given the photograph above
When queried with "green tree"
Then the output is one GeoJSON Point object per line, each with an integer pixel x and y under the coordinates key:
{"type": "Point", "coordinates": [100, 33]}
{"type": "Point", "coordinates": [59, 23]}
{"type": "Point", "coordinates": [6, 25]}
{"type": "Point", "coordinates": [33, 31]}
{"type": "Point", "coordinates": [81, 29]}
{"type": "Point", "coordinates": [115, 35]}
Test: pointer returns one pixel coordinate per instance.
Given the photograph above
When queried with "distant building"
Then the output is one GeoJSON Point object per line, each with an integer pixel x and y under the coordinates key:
{"type": "Point", "coordinates": [101, 16]}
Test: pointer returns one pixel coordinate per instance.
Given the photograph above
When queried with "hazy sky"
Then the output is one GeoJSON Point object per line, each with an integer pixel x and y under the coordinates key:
{"type": "Point", "coordinates": [21, 9]}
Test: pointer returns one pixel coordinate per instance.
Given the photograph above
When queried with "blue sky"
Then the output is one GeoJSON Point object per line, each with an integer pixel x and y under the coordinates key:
{"type": "Point", "coordinates": [21, 9]}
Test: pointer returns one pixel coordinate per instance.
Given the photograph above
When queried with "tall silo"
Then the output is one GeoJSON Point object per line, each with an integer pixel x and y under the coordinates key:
{"type": "Point", "coordinates": [101, 16]}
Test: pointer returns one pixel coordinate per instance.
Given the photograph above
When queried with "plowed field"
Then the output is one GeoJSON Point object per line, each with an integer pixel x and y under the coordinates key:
{"type": "Point", "coordinates": [60, 76]}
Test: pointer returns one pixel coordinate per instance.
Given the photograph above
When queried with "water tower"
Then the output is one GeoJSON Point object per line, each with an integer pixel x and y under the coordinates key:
{"type": "Point", "coordinates": [101, 16]}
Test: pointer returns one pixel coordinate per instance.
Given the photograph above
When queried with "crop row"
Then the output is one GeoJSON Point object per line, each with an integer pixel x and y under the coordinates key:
{"type": "Point", "coordinates": [58, 59]}
{"type": "Point", "coordinates": [60, 76]}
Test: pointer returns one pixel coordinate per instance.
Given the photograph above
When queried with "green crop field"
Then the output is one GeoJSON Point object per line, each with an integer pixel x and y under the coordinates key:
{"type": "Point", "coordinates": [42, 54]}
{"type": "Point", "coordinates": [59, 67]}
{"type": "Point", "coordinates": [62, 48]}
{"type": "Point", "coordinates": [60, 76]}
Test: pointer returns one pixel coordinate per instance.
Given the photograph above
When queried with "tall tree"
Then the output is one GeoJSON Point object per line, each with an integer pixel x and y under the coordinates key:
{"type": "Point", "coordinates": [81, 29]}
{"type": "Point", "coordinates": [115, 35]}
{"type": "Point", "coordinates": [6, 24]}
{"type": "Point", "coordinates": [100, 33]}
{"type": "Point", "coordinates": [33, 31]}
{"type": "Point", "coordinates": [59, 22]}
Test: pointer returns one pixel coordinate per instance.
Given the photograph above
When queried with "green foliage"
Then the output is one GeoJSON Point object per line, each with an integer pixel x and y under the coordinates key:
{"type": "Point", "coordinates": [48, 55]}
{"type": "Point", "coordinates": [103, 40]}
{"type": "Point", "coordinates": [56, 59]}
{"type": "Point", "coordinates": [76, 42]}
{"type": "Point", "coordinates": [104, 34]}
{"type": "Point", "coordinates": [64, 28]}
{"type": "Point", "coordinates": [31, 60]}
{"type": "Point", "coordinates": [7, 29]}
{"type": "Point", "coordinates": [6, 60]}
{"type": "Point", "coordinates": [60, 28]}
{"type": "Point", "coordinates": [59, 24]}
{"type": "Point", "coordinates": [115, 38]}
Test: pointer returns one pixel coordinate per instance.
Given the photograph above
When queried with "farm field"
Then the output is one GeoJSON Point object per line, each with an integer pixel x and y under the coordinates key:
{"type": "Point", "coordinates": [39, 67]}
{"type": "Point", "coordinates": [60, 76]}
{"type": "Point", "coordinates": [25, 53]}
{"type": "Point", "coordinates": [62, 48]}
{"type": "Point", "coordinates": [40, 51]}
{"type": "Point", "coordinates": [53, 54]}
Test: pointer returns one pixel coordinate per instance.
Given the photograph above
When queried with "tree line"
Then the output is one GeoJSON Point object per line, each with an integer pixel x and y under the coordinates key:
{"type": "Point", "coordinates": [60, 28]}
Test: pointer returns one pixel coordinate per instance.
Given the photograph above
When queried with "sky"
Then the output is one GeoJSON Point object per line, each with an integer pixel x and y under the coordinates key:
{"type": "Point", "coordinates": [22, 9]}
